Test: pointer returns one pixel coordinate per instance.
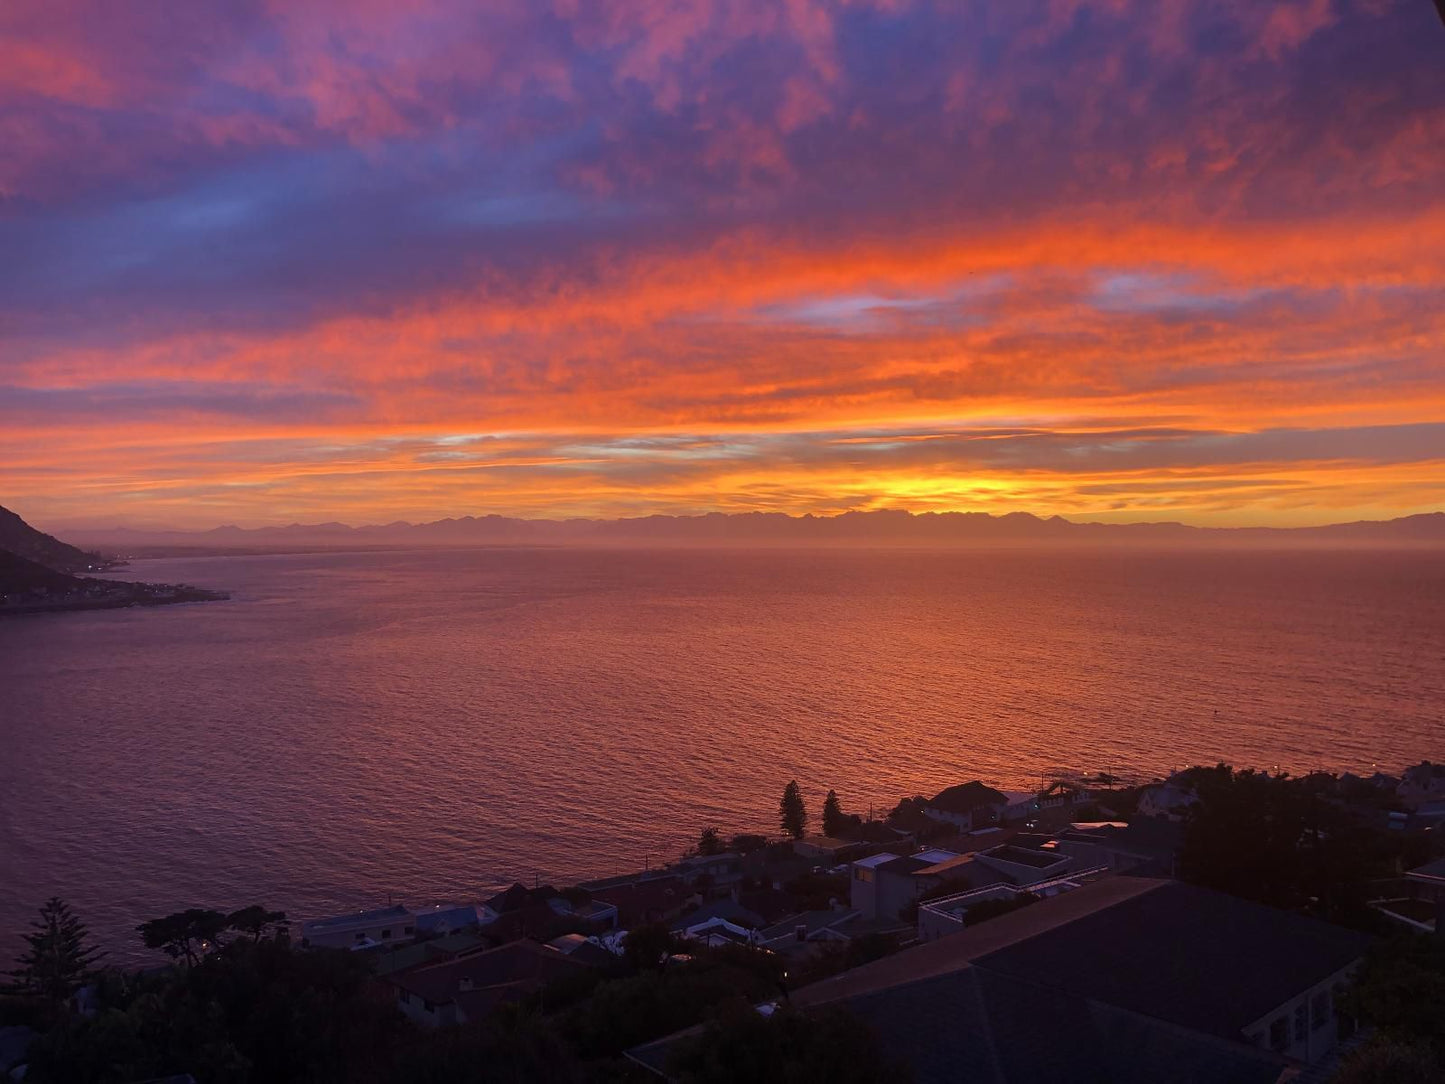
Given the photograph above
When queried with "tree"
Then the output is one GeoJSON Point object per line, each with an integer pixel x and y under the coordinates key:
{"type": "Point", "coordinates": [1278, 840]}
{"type": "Point", "coordinates": [1390, 1061]}
{"type": "Point", "coordinates": [710, 842]}
{"type": "Point", "coordinates": [786, 1046]}
{"type": "Point", "coordinates": [792, 812]}
{"type": "Point", "coordinates": [59, 960]}
{"type": "Point", "coordinates": [257, 921]}
{"type": "Point", "coordinates": [835, 823]}
{"type": "Point", "coordinates": [185, 935]}
{"type": "Point", "coordinates": [647, 946]}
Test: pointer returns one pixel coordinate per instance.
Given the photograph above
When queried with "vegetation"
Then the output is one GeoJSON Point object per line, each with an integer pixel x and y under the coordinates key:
{"type": "Point", "coordinates": [58, 959]}
{"type": "Point", "coordinates": [835, 822]}
{"type": "Point", "coordinates": [1283, 841]}
{"type": "Point", "coordinates": [792, 813]}
{"type": "Point", "coordinates": [709, 842]}
{"type": "Point", "coordinates": [1399, 991]}
{"type": "Point", "coordinates": [785, 1047]}
{"type": "Point", "coordinates": [746, 843]}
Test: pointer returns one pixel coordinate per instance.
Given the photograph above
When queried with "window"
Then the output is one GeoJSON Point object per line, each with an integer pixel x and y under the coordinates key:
{"type": "Point", "coordinates": [360, 935]}
{"type": "Point", "coordinates": [1320, 1010]}
{"type": "Point", "coordinates": [386, 934]}
{"type": "Point", "coordinates": [405, 997]}
{"type": "Point", "coordinates": [407, 931]}
{"type": "Point", "coordinates": [1279, 1033]}
{"type": "Point", "coordinates": [864, 874]}
{"type": "Point", "coordinates": [1301, 1021]}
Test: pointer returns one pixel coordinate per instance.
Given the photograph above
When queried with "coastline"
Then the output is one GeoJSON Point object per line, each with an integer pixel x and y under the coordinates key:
{"type": "Point", "coordinates": [112, 595]}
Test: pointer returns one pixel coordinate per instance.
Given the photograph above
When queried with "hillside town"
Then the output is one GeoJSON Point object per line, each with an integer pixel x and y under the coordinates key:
{"type": "Point", "coordinates": [1012, 933]}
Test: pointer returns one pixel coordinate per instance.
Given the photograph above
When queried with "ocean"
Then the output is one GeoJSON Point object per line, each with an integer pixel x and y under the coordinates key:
{"type": "Point", "coordinates": [354, 728]}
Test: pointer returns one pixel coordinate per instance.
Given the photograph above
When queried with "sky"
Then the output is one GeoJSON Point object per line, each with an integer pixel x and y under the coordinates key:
{"type": "Point", "coordinates": [265, 261]}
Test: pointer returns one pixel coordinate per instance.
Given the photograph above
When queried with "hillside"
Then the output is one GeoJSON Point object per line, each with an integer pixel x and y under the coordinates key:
{"type": "Point", "coordinates": [17, 575]}
{"type": "Point", "coordinates": [21, 540]}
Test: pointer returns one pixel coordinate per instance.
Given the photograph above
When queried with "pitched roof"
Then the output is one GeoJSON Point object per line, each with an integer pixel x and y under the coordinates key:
{"type": "Point", "coordinates": [966, 797]}
{"type": "Point", "coordinates": [1186, 955]}
{"type": "Point", "coordinates": [725, 908]}
{"type": "Point", "coordinates": [638, 901]}
{"type": "Point", "coordinates": [493, 976]}
{"type": "Point", "coordinates": [1166, 950]}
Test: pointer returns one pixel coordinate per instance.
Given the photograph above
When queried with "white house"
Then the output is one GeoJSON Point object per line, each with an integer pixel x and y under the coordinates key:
{"type": "Point", "coordinates": [360, 929]}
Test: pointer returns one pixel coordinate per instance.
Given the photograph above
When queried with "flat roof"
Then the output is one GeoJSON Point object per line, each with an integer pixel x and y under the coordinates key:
{"type": "Point", "coordinates": [364, 917]}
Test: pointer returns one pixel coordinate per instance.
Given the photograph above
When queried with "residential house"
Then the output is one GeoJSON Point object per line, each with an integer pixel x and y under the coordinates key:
{"type": "Point", "coordinates": [1422, 783]}
{"type": "Point", "coordinates": [1423, 906]}
{"type": "Point", "coordinates": [827, 850]}
{"type": "Point", "coordinates": [967, 805]}
{"type": "Point", "coordinates": [443, 919]}
{"type": "Point", "coordinates": [1167, 800]}
{"type": "Point", "coordinates": [1143, 847]}
{"type": "Point", "coordinates": [468, 988]}
{"type": "Point", "coordinates": [1063, 794]}
{"type": "Point", "coordinates": [810, 932]}
{"type": "Point", "coordinates": [725, 908]}
{"type": "Point", "coordinates": [1127, 980]}
{"type": "Point", "coordinates": [719, 931]}
{"type": "Point", "coordinates": [648, 899]}
{"type": "Point", "coordinates": [945, 915]}
{"type": "Point", "coordinates": [417, 953]}
{"type": "Point", "coordinates": [715, 870]}
{"type": "Point", "coordinates": [360, 929]}
{"type": "Point", "coordinates": [587, 950]}
{"type": "Point", "coordinates": [884, 885]}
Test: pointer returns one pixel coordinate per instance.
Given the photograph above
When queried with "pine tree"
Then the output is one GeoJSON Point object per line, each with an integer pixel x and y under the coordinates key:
{"type": "Point", "coordinates": [834, 822]}
{"type": "Point", "coordinates": [793, 814]}
{"type": "Point", "coordinates": [59, 959]}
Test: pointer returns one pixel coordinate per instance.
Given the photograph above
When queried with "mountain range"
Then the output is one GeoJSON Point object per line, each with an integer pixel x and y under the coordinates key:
{"type": "Point", "coordinates": [772, 528]}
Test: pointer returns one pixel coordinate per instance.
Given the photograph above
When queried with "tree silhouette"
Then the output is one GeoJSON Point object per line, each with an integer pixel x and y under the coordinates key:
{"type": "Point", "coordinates": [257, 921]}
{"type": "Point", "coordinates": [792, 812]}
{"type": "Point", "coordinates": [835, 822]}
{"type": "Point", "coordinates": [185, 935]}
{"type": "Point", "coordinates": [709, 842]}
{"type": "Point", "coordinates": [58, 960]}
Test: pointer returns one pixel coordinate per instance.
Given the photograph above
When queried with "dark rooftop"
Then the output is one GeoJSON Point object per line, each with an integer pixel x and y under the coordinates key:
{"type": "Point", "coordinates": [1430, 869]}
{"type": "Point", "coordinates": [1187, 955]}
{"type": "Point", "coordinates": [966, 797]}
{"type": "Point", "coordinates": [489, 978]}
{"type": "Point", "coordinates": [906, 864]}
{"type": "Point", "coordinates": [1026, 857]}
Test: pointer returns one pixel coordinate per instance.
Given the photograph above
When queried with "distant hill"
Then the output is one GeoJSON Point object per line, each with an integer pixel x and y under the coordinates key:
{"type": "Point", "coordinates": [22, 540]}
{"type": "Point", "coordinates": [17, 574]}
{"type": "Point", "coordinates": [775, 528]}
{"type": "Point", "coordinates": [36, 579]}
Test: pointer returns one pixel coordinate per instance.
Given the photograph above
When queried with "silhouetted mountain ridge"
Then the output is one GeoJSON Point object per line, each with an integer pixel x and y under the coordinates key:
{"type": "Point", "coordinates": [882, 527]}
{"type": "Point", "coordinates": [19, 538]}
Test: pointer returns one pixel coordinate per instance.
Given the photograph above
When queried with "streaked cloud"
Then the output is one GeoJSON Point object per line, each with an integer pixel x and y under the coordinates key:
{"type": "Point", "coordinates": [1114, 258]}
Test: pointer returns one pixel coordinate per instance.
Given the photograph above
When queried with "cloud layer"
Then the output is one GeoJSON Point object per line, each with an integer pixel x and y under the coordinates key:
{"type": "Point", "coordinates": [264, 261]}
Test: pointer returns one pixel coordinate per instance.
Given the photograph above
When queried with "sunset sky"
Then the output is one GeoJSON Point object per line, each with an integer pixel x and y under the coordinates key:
{"type": "Point", "coordinates": [265, 261]}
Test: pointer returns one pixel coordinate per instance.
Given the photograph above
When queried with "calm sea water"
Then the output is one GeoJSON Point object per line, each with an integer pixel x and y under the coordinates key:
{"type": "Point", "coordinates": [430, 725]}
